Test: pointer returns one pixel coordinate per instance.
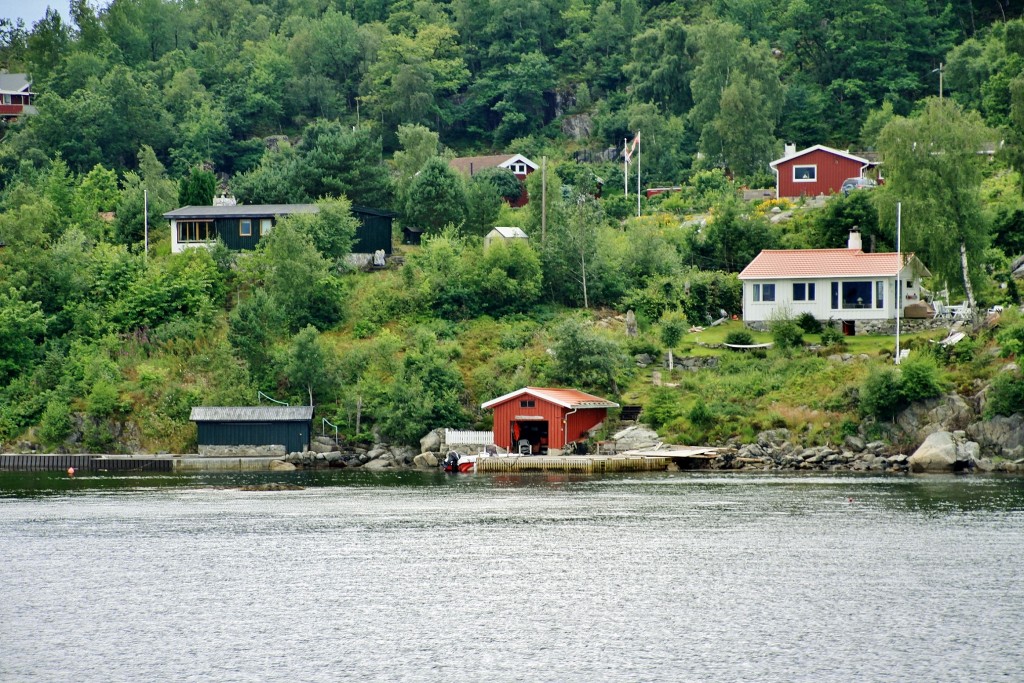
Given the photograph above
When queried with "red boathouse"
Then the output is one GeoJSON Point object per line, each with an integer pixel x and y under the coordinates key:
{"type": "Point", "coordinates": [538, 419]}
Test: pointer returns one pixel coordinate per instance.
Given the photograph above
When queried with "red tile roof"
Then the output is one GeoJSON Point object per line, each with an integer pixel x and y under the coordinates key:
{"type": "Point", "coordinates": [567, 398]}
{"type": "Point", "coordinates": [796, 263]}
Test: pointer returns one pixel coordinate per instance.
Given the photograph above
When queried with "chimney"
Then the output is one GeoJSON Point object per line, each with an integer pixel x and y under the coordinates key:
{"type": "Point", "coordinates": [854, 242]}
{"type": "Point", "coordinates": [790, 149]}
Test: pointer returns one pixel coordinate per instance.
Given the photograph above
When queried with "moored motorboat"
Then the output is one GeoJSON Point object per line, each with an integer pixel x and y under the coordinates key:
{"type": "Point", "coordinates": [457, 462]}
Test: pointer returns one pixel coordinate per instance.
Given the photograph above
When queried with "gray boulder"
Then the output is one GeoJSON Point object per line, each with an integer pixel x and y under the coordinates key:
{"type": "Point", "coordinates": [425, 461]}
{"type": "Point", "coordinates": [998, 435]}
{"type": "Point", "coordinates": [432, 441]}
{"type": "Point", "coordinates": [943, 414]}
{"type": "Point", "coordinates": [854, 443]}
{"type": "Point", "coordinates": [281, 466]}
{"type": "Point", "coordinates": [635, 437]}
{"type": "Point", "coordinates": [938, 453]}
{"type": "Point", "coordinates": [379, 464]}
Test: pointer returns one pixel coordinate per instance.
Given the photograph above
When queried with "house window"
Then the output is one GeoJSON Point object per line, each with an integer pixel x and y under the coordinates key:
{"type": "Point", "coordinates": [803, 291]}
{"type": "Point", "coordinates": [857, 294]}
{"type": "Point", "coordinates": [527, 403]}
{"type": "Point", "coordinates": [196, 231]}
{"type": "Point", "coordinates": [519, 168]}
{"type": "Point", "coordinates": [245, 227]}
{"type": "Point", "coordinates": [835, 295]}
{"type": "Point", "coordinates": [910, 284]}
{"type": "Point", "coordinates": [757, 292]}
{"type": "Point", "coordinates": [768, 293]}
{"type": "Point", "coordinates": [805, 174]}
{"type": "Point", "coordinates": [266, 225]}
{"type": "Point", "coordinates": [879, 294]}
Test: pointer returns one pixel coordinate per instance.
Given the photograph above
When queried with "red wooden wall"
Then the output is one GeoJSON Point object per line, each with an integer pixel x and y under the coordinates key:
{"type": "Point", "coordinates": [579, 422]}
{"type": "Point", "coordinates": [832, 171]}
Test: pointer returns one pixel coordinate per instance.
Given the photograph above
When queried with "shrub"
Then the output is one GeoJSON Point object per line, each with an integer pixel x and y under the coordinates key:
{"type": "Point", "coordinates": [1005, 395]}
{"type": "Point", "coordinates": [786, 333]}
{"type": "Point", "coordinates": [1011, 339]}
{"type": "Point", "coordinates": [919, 379]}
{"type": "Point", "coordinates": [881, 396]}
{"type": "Point", "coordinates": [808, 323]}
{"type": "Point", "coordinates": [662, 408]}
{"type": "Point", "coordinates": [55, 424]}
{"type": "Point", "coordinates": [739, 338]}
{"type": "Point", "coordinates": [832, 336]}
{"type": "Point", "coordinates": [700, 415]}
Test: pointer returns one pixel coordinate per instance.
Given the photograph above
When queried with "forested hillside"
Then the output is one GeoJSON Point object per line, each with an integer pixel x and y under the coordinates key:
{"type": "Point", "coordinates": [146, 105]}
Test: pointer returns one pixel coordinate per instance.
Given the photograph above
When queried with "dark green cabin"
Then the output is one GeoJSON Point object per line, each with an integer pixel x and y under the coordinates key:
{"type": "Point", "coordinates": [241, 227]}
{"type": "Point", "coordinates": [289, 426]}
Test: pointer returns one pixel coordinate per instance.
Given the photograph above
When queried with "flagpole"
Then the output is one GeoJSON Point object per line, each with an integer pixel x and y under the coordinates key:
{"type": "Point", "coordinates": [899, 281]}
{"type": "Point", "coordinates": [625, 164]}
{"type": "Point", "coordinates": [638, 174]}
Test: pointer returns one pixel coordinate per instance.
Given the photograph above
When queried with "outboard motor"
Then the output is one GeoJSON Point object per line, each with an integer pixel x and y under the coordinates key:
{"type": "Point", "coordinates": [451, 462]}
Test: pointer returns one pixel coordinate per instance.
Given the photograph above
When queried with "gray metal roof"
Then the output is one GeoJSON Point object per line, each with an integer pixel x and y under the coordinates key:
{"type": "Point", "coordinates": [241, 211]}
{"type": "Point", "coordinates": [251, 414]}
{"type": "Point", "coordinates": [15, 83]}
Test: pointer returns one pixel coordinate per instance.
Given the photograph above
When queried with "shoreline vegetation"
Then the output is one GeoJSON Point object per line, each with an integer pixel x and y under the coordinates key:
{"type": "Point", "coordinates": [108, 339]}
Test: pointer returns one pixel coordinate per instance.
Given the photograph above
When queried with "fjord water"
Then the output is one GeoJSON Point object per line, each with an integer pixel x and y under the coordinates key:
{"type": "Point", "coordinates": [426, 577]}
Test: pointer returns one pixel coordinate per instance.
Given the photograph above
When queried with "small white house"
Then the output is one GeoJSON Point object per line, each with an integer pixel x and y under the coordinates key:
{"type": "Point", "coordinates": [845, 285]}
{"type": "Point", "coordinates": [503, 234]}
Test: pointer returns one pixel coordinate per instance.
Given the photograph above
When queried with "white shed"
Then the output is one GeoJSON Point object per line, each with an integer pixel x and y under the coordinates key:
{"type": "Point", "coordinates": [504, 234]}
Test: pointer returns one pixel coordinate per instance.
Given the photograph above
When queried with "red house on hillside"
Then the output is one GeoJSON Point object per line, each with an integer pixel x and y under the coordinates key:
{"type": "Point", "coordinates": [16, 96]}
{"type": "Point", "coordinates": [539, 419]}
{"type": "Point", "coordinates": [817, 170]}
{"type": "Point", "coordinates": [517, 163]}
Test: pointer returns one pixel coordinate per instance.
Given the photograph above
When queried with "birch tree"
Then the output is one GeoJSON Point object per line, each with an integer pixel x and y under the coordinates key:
{"type": "Point", "coordinates": [933, 167]}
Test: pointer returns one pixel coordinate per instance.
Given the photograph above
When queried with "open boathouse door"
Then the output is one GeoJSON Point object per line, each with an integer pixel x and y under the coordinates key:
{"type": "Point", "coordinates": [530, 435]}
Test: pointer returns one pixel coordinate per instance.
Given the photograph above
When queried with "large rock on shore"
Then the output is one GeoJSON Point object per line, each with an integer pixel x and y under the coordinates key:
{"type": "Point", "coordinates": [945, 413]}
{"type": "Point", "coordinates": [635, 437]}
{"type": "Point", "coordinates": [937, 454]}
{"type": "Point", "coordinates": [1000, 435]}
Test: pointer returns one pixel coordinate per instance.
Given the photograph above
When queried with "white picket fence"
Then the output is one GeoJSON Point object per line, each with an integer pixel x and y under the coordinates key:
{"type": "Point", "coordinates": [467, 437]}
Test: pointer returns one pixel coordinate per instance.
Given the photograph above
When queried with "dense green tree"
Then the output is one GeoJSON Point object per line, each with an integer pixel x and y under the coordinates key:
{"type": "Point", "coordinates": [197, 188]}
{"type": "Point", "coordinates": [842, 214]}
{"type": "Point", "coordinates": [661, 67]}
{"type": "Point", "coordinates": [252, 327]}
{"type": "Point", "coordinates": [584, 358]}
{"type": "Point", "coordinates": [483, 206]}
{"type": "Point", "coordinates": [22, 326]}
{"type": "Point", "coordinates": [436, 198]}
{"type": "Point", "coordinates": [308, 365]}
{"type": "Point", "coordinates": [332, 229]}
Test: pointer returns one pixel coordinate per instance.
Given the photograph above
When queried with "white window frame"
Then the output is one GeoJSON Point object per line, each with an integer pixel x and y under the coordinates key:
{"type": "Point", "coordinates": [757, 293]}
{"type": "Point", "coordinates": [266, 225]}
{"type": "Point", "coordinates": [805, 180]}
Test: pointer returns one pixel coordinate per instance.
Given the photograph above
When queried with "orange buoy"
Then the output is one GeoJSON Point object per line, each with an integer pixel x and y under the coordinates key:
{"type": "Point", "coordinates": [71, 471]}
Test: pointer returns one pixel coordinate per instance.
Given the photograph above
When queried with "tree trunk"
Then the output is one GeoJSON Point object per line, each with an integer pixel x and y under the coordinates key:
{"type": "Point", "coordinates": [967, 276]}
{"type": "Point", "coordinates": [671, 361]}
{"type": "Point", "coordinates": [359, 412]}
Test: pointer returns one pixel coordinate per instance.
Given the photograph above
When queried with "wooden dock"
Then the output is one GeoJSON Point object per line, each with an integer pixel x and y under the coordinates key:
{"type": "Point", "coordinates": [32, 462]}
{"type": "Point", "coordinates": [589, 464]}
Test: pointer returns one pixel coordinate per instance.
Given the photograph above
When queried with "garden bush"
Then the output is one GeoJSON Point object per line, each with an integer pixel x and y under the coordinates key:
{"type": "Point", "coordinates": [739, 338]}
{"type": "Point", "coordinates": [880, 396]}
{"type": "Point", "coordinates": [832, 336]}
{"type": "Point", "coordinates": [808, 323]}
{"type": "Point", "coordinates": [919, 379]}
{"type": "Point", "coordinates": [786, 333]}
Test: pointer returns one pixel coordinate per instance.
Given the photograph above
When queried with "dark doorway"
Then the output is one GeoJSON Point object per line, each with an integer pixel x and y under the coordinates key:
{"type": "Point", "coordinates": [849, 328]}
{"type": "Point", "coordinates": [530, 437]}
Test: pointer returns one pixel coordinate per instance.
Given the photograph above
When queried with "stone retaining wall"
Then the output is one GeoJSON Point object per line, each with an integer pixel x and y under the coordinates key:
{"type": "Point", "coordinates": [877, 327]}
{"type": "Point", "coordinates": [242, 451]}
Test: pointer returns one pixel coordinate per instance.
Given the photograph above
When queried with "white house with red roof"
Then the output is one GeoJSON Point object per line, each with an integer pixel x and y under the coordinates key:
{"type": "Point", "coordinates": [831, 284]}
{"type": "Point", "coordinates": [817, 170]}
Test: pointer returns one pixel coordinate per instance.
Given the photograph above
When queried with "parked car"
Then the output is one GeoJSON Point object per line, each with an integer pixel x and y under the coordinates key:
{"type": "Point", "coordinates": [851, 184]}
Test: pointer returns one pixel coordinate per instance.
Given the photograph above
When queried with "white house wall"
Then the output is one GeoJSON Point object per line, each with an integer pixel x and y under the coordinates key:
{"type": "Point", "coordinates": [821, 307]}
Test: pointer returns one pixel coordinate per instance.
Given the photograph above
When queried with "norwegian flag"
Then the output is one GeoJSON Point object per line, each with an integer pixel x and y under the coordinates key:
{"type": "Point", "coordinates": [631, 148]}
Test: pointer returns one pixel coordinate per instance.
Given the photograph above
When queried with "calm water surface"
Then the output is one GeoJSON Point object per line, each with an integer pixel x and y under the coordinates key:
{"type": "Point", "coordinates": [424, 577]}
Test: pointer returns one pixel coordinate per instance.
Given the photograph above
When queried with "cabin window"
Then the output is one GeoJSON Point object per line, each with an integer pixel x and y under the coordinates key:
{"type": "Point", "coordinates": [527, 403]}
{"type": "Point", "coordinates": [803, 291]}
{"type": "Point", "coordinates": [879, 294]}
{"type": "Point", "coordinates": [196, 231]}
{"type": "Point", "coordinates": [805, 174]}
{"type": "Point", "coordinates": [519, 168]}
{"type": "Point", "coordinates": [266, 225]}
{"type": "Point", "coordinates": [910, 284]}
{"type": "Point", "coordinates": [768, 292]}
{"type": "Point", "coordinates": [245, 227]}
{"type": "Point", "coordinates": [857, 294]}
{"type": "Point", "coordinates": [757, 292]}
{"type": "Point", "coordinates": [7, 99]}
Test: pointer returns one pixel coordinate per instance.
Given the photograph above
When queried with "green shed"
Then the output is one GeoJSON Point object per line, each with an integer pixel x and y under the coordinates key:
{"type": "Point", "coordinates": [287, 426]}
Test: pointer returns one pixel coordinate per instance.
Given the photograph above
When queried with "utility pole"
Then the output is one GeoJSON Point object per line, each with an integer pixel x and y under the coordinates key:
{"type": "Point", "coordinates": [543, 199]}
{"type": "Point", "coordinates": [940, 70]}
